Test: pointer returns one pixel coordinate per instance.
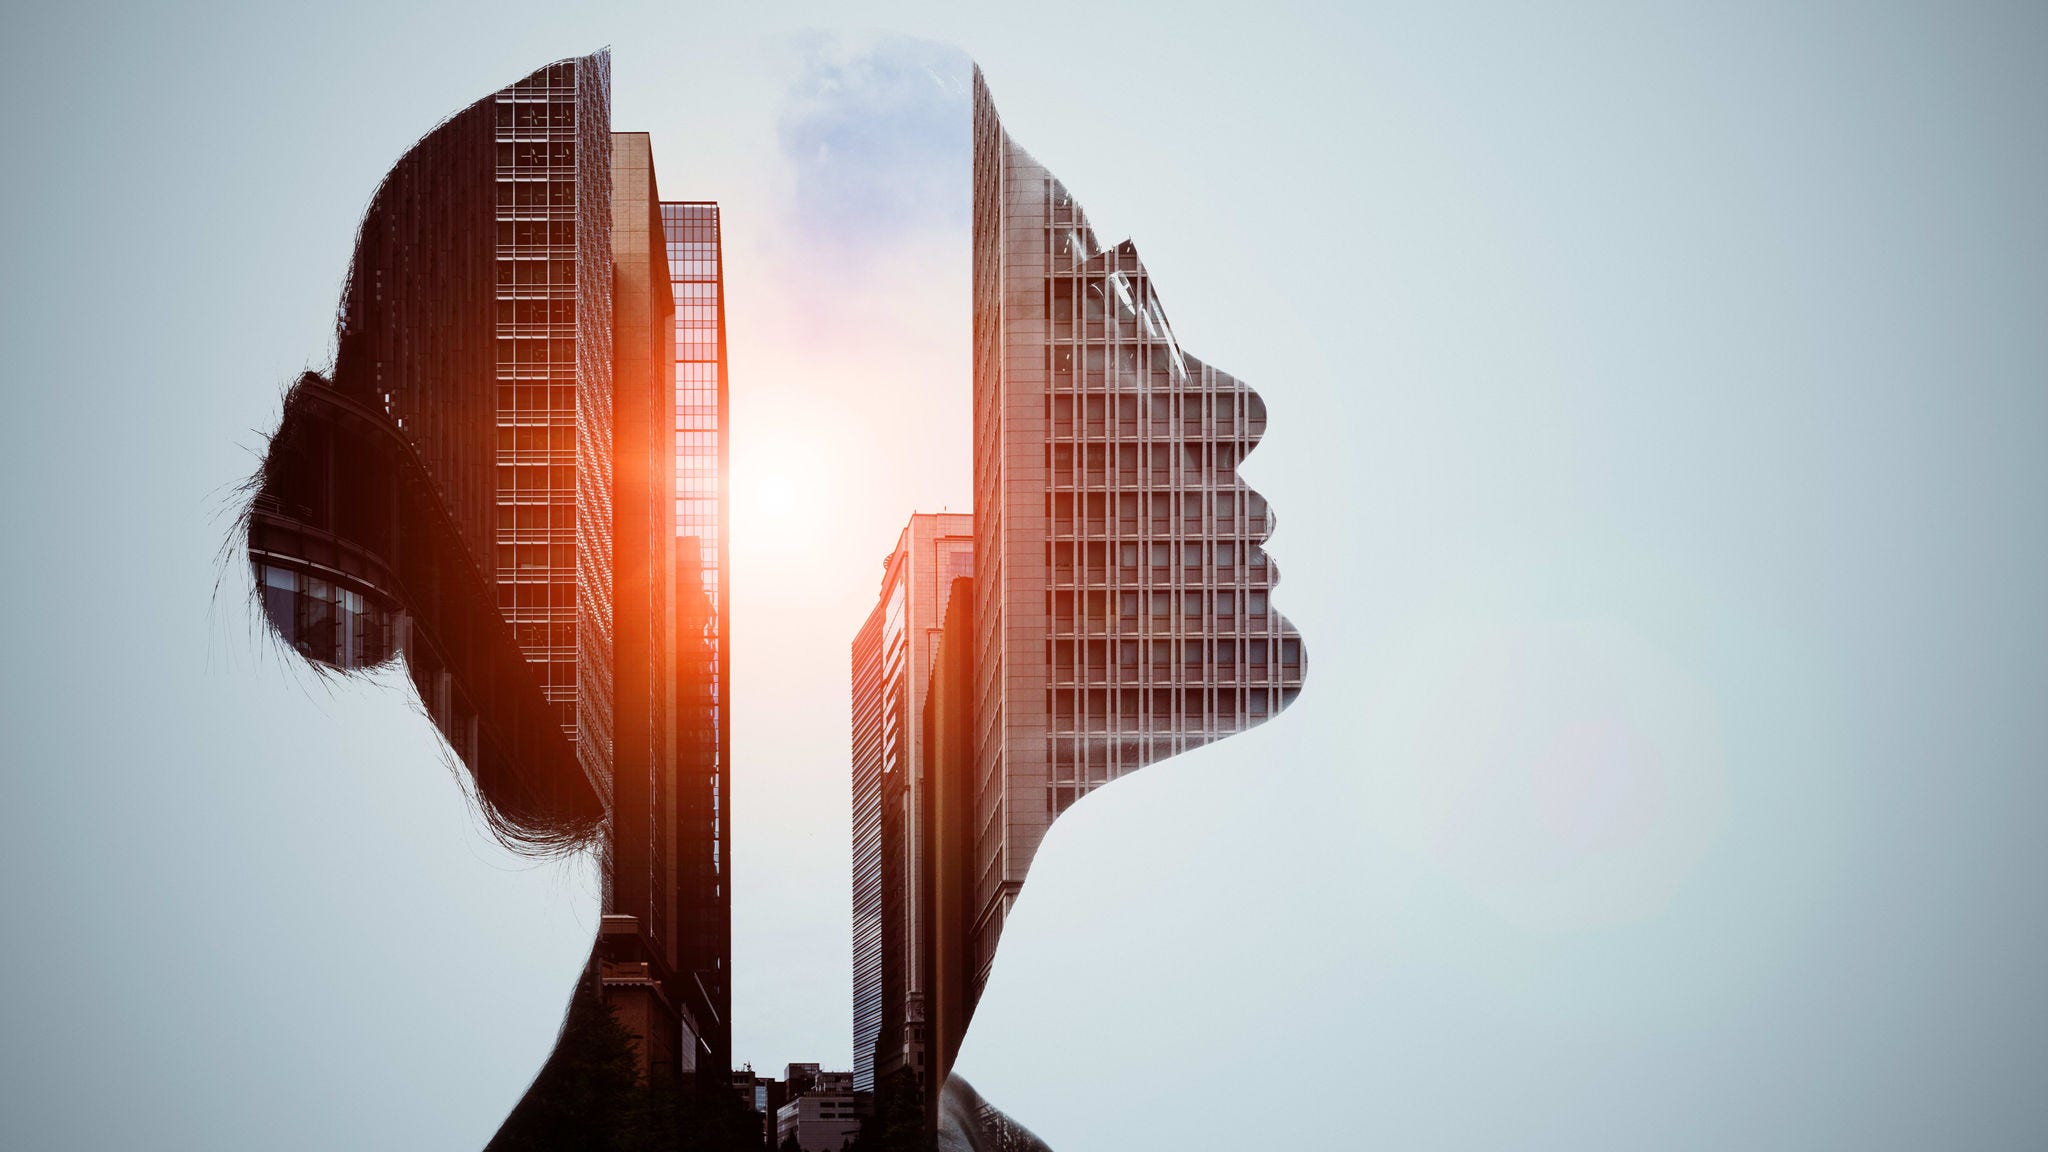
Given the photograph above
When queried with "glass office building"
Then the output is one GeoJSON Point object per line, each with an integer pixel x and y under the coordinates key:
{"type": "Point", "coordinates": [553, 313]}
{"type": "Point", "coordinates": [703, 722]}
{"type": "Point", "coordinates": [892, 835]}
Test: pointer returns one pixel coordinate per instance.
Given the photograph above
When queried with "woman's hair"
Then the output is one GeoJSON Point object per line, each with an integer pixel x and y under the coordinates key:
{"type": "Point", "coordinates": [357, 563]}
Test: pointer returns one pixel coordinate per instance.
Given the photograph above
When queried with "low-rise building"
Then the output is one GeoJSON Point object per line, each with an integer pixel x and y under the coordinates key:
{"type": "Point", "coordinates": [825, 1116]}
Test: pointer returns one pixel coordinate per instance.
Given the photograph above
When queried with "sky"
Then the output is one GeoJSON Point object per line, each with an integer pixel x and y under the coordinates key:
{"type": "Point", "coordinates": [846, 276]}
{"type": "Point", "coordinates": [1656, 405]}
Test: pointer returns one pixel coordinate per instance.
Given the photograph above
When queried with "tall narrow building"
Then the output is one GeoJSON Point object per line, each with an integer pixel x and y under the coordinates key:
{"type": "Point", "coordinates": [553, 321]}
{"type": "Point", "coordinates": [948, 758]}
{"type": "Point", "coordinates": [642, 943]}
{"type": "Point", "coordinates": [1122, 599]}
{"type": "Point", "coordinates": [696, 269]}
{"type": "Point", "coordinates": [892, 841]}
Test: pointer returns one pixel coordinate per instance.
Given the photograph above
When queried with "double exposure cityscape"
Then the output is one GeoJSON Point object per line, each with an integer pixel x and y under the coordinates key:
{"type": "Point", "coordinates": [513, 479]}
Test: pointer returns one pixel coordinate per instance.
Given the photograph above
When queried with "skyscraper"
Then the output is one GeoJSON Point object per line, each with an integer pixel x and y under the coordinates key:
{"type": "Point", "coordinates": [696, 269]}
{"type": "Point", "coordinates": [948, 759]}
{"type": "Point", "coordinates": [554, 419]}
{"type": "Point", "coordinates": [642, 942]}
{"type": "Point", "coordinates": [891, 673]}
{"type": "Point", "coordinates": [1122, 599]}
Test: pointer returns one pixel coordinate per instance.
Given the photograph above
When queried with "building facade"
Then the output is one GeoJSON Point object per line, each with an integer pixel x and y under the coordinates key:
{"type": "Point", "coordinates": [948, 756]}
{"type": "Point", "coordinates": [1122, 598]}
{"type": "Point", "coordinates": [824, 1117]}
{"type": "Point", "coordinates": [554, 421]}
{"type": "Point", "coordinates": [696, 269]}
{"type": "Point", "coordinates": [642, 939]}
{"type": "Point", "coordinates": [866, 776]}
{"type": "Point", "coordinates": [891, 665]}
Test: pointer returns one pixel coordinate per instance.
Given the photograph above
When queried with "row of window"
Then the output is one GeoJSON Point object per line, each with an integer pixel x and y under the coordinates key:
{"type": "Point", "coordinates": [1153, 711]}
{"type": "Point", "coordinates": [558, 112]}
{"type": "Point", "coordinates": [528, 558]}
{"type": "Point", "coordinates": [1141, 679]}
{"type": "Point", "coordinates": [536, 193]}
{"type": "Point", "coordinates": [1071, 555]}
{"type": "Point", "coordinates": [536, 438]}
{"type": "Point", "coordinates": [536, 478]}
{"type": "Point", "coordinates": [537, 273]}
{"type": "Point", "coordinates": [534, 233]}
{"type": "Point", "coordinates": [560, 634]}
{"type": "Point", "coordinates": [1088, 611]}
{"type": "Point", "coordinates": [325, 621]}
{"type": "Point", "coordinates": [1187, 463]}
{"type": "Point", "coordinates": [1076, 755]}
{"type": "Point", "coordinates": [1130, 507]}
{"type": "Point", "coordinates": [1070, 568]}
{"type": "Point", "coordinates": [536, 351]}
{"type": "Point", "coordinates": [1189, 412]}
{"type": "Point", "coordinates": [555, 397]}
{"type": "Point", "coordinates": [518, 153]}
{"type": "Point", "coordinates": [1132, 363]}
{"type": "Point", "coordinates": [532, 517]}
{"type": "Point", "coordinates": [1259, 653]}
{"type": "Point", "coordinates": [537, 595]}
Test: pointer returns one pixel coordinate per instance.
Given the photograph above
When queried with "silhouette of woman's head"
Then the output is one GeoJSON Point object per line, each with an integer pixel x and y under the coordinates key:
{"type": "Point", "coordinates": [482, 486]}
{"type": "Point", "coordinates": [441, 495]}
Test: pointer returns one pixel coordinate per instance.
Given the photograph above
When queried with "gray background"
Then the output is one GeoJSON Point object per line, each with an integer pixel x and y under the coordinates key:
{"type": "Point", "coordinates": [1658, 397]}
